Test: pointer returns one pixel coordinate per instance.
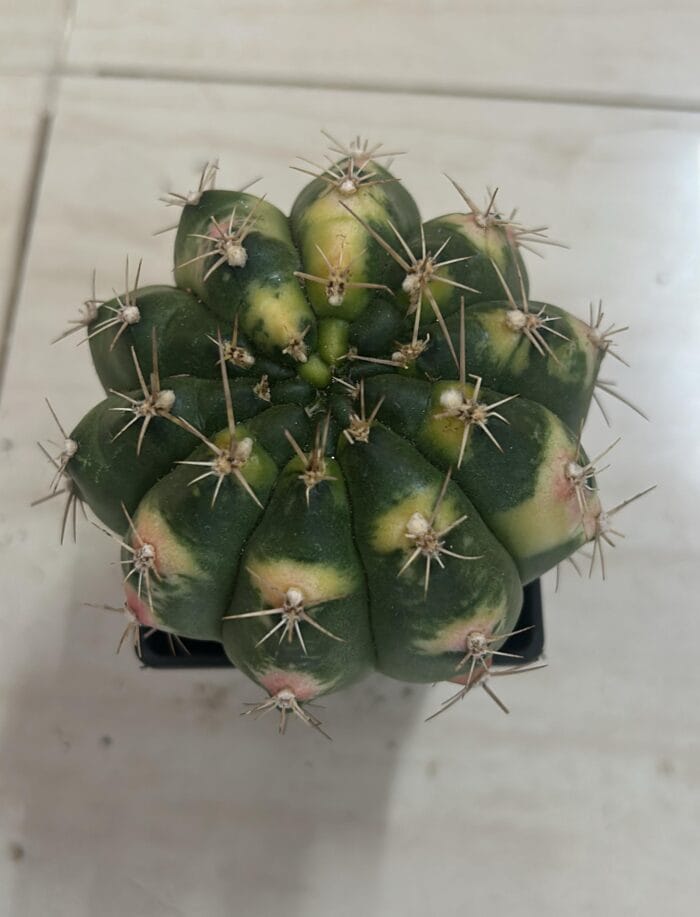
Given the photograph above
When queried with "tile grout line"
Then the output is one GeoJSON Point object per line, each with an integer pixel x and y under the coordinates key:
{"type": "Point", "coordinates": [32, 192]}
{"type": "Point", "coordinates": [495, 93]}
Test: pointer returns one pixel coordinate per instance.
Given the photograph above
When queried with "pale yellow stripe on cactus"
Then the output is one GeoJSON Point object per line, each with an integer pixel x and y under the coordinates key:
{"type": "Point", "coordinates": [390, 527]}
{"type": "Point", "coordinates": [258, 468]}
{"type": "Point", "coordinates": [317, 582]}
{"type": "Point", "coordinates": [453, 637]}
{"type": "Point", "coordinates": [552, 516]}
{"type": "Point", "coordinates": [370, 204]}
{"type": "Point", "coordinates": [172, 557]}
{"type": "Point", "coordinates": [342, 240]}
{"type": "Point", "coordinates": [281, 310]}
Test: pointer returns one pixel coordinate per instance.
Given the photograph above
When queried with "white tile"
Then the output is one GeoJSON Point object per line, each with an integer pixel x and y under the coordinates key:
{"type": "Point", "coordinates": [585, 800]}
{"type": "Point", "coordinates": [31, 33]}
{"type": "Point", "coordinates": [608, 48]}
{"type": "Point", "coordinates": [21, 101]}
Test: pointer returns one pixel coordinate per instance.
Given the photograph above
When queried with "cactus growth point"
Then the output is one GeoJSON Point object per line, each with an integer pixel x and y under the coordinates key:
{"type": "Point", "coordinates": [344, 440]}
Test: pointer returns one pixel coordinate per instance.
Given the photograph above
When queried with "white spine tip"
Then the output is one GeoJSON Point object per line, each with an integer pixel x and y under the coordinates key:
{"type": "Point", "coordinates": [452, 399]}
{"type": "Point", "coordinates": [574, 471]}
{"type": "Point", "coordinates": [165, 400]}
{"type": "Point", "coordinates": [516, 319]}
{"type": "Point", "coordinates": [236, 255]}
{"type": "Point", "coordinates": [244, 450]}
{"type": "Point", "coordinates": [294, 597]}
{"type": "Point", "coordinates": [147, 553]}
{"type": "Point", "coordinates": [417, 525]}
{"type": "Point", "coordinates": [410, 283]}
{"type": "Point", "coordinates": [131, 315]}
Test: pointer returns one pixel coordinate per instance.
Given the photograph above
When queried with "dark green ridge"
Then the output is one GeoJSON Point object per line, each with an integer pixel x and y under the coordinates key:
{"type": "Point", "coordinates": [317, 534]}
{"type": "Point", "coordinates": [341, 407]}
{"type": "Point", "coordinates": [108, 471]}
{"type": "Point", "coordinates": [381, 475]}
{"type": "Point", "coordinates": [184, 328]}
{"type": "Point", "coordinates": [393, 203]}
{"type": "Point", "coordinates": [182, 324]}
{"type": "Point", "coordinates": [375, 332]}
{"type": "Point", "coordinates": [210, 538]}
{"type": "Point", "coordinates": [564, 383]}
{"type": "Point", "coordinates": [268, 429]}
{"type": "Point", "coordinates": [294, 390]}
{"type": "Point", "coordinates": [477, 272]}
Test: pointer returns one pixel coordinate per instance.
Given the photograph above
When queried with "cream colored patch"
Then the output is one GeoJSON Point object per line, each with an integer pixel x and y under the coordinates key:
{"type": "Point", "coordinates": [282, 311]}
{"type": "Point", "coordinates": [172, 557]}
{"type": "Point", "coordinates": [369, 204]}
{"type": "Point", "coordinates": [551, 516]}
{"type": "Point", "coordinates": [317, 582]}
{"type": "Point", "coordinates": [453, 637]}
{"type": "Point", "coordinates": [389, 532]}
{"type": "Point", "coordinates": [342, 240]}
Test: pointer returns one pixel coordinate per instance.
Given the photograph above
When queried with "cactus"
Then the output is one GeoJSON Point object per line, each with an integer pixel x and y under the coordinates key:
{"type": "Point", "coordinates": [344, 440]}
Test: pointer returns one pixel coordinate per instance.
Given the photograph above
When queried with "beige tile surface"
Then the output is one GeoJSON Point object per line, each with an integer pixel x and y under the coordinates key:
{"type": "Point", "coordinates": [128, 791]}
{"type": "Point", "coordinates": [21, 106]}
{"type": "Point", "coordinates": [31, 33]}
{"type": "Point", "coordinates": [609, 48]}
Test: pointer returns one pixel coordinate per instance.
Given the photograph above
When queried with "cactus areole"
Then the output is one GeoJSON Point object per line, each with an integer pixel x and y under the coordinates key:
{"type": "Point", "coordinates": [344, 439]}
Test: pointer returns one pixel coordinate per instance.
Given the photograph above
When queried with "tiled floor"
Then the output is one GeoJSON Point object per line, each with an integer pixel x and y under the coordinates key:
{"type": "Point", "coordinates": [134, 792]}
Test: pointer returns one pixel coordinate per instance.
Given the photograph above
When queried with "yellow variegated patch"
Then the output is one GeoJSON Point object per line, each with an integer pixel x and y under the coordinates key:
{"type": "Point", "coordinates": [390, 527]}
{"type": "Point", "coordinates": [317, 582]}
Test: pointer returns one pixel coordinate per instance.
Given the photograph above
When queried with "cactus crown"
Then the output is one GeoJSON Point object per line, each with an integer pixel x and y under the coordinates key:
{"type": "Point", "coordinates": [344, 439]}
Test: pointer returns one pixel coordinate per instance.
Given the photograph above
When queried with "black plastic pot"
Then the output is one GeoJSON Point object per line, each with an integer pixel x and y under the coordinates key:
{"type": "Point", "coordinates": [158, 652]}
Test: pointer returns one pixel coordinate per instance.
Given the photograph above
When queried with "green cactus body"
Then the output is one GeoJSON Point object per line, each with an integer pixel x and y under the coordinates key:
{"type": "Point", "coordinates": [197, 550]}
{"type": "Point", "coordinates": [326, 233]}
{"type": "Point", "coordinates": [187, 333]}
{"type": "Point", "coordinates": [183, 325]}
{"type": "Point", "coordinates": [420, 634]}
{"type": "Point", "coordinates": [558, 368]}
{"type": "Point", "coordinates": [471, 250]}
{"type": "Point", "coordinates": [282, 454]}
{"type": "Point", "coordinates": [104, 468]}
{"type": "Point", "coordinates": [302, 554]}
{"type": "Point", "coordinates": [517, 480]}
{"type": "Point", "coordinates": [251, 276]}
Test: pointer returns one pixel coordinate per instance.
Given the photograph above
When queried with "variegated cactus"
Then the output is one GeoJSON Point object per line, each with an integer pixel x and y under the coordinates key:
{"type": "Point", "coordinates": [345, 439]}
